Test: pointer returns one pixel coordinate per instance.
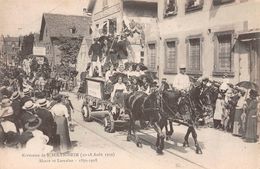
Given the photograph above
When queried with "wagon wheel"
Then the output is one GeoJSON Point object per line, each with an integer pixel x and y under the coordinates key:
{"type": "Point", "coordinates": [109, 124]}
{"type": "Point", "coordinates": [86, 113]}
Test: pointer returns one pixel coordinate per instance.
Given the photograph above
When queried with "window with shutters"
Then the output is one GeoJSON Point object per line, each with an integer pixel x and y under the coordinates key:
{"type": "Point", "coordinates": [170, 66]}
{"type": "Point", "coordinates": [151, 56]}
{"type": "Point", "coordinates": [224, 61]}
{"type": "Point", "coordinates": [194, 51]}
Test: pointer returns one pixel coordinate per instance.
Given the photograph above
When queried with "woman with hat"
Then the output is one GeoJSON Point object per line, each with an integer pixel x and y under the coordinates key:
{"type": "Point", "coordinates": [60, 115]}
{"type": "Point", "coordinates": [251, 117]}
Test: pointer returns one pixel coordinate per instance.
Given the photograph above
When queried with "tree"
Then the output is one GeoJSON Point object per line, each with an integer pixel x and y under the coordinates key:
{"type": "Point", "coordinates": [27, 45]}
{"type": "Point", "coordinates": [70, 48]}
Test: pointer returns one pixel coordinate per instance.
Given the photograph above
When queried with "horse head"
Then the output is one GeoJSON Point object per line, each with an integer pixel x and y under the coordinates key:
{"type": "Point", "coordinates": [203, 96]}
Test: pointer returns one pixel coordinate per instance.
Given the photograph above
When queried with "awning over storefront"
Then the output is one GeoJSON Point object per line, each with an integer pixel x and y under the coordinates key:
{"type": "Point", "coordinates": [249, 35]}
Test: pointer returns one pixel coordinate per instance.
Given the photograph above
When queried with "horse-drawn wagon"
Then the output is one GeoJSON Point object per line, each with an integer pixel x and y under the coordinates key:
{"type": "Point", "coordinates": [98, 107]}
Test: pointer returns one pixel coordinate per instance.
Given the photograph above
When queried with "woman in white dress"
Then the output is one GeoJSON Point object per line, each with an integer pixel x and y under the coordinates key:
{"type": "Point", "coordinates": [60, 115]}
{"type": "Point", "coordinates": [118, 92]}
{"type": "Point", "coordinates": [219, 110]}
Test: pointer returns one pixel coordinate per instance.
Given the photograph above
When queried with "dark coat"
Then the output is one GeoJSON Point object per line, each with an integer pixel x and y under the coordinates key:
{"type": "Point", "coordinates": [121, 49]}
{"type": "Point", "coordinates": [25, 115]}
{"type": "Point", "coordinates": [96, 51]}
{"type": "Point", "coordinates": [6, 92]}
{"type": "Point", "coordinates": [83, 76]}
{"type": "Point", "coordinates": [25, 99]}
{"type": "Point", "coordinates": [48, 126]}
{"type": "Point", "coordinates": [17, 108]}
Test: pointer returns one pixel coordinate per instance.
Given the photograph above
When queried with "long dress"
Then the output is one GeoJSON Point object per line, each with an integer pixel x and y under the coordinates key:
{"type": "Point", "coordinates": [219, 111]}
{"type": "Point", "coordinates": [237, 126]}
{"type": "Point", "coordinates": [118, 94]}
{"type": "Point", "coordinates": [251, 121]}
{"type": "Point", "coordinates": [60, 114]}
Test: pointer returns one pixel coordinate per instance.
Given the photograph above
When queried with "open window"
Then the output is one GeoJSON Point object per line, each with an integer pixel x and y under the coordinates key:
{"type": "Point", "coordinates": [193, 5]}
{"type": "Point", "coordinates": [170, 8]}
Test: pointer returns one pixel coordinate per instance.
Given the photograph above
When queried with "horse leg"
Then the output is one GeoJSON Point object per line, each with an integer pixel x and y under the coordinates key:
{"type": "Point", "coordinates": [194, 135]}
{"type": "Point", "coordinates": [160, 137]}
{"type": "Point", "coordinates": [131, 123]}
{"type": "Point", "coordinates": [168, 133]}
{"type": "Point", "coordinates": [136, 138]}
{"type": "Point", "coordinates": [186, 138]}
{"type": "Point", "coordinates": [129, 130]}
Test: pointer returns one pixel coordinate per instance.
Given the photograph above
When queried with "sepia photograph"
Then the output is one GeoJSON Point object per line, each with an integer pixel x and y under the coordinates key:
{"type": "Point", "coordinates": [130, 84]}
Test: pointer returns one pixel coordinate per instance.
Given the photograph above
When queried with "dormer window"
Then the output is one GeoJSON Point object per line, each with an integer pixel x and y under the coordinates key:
{"type": "Point", "coordinates": [170, 8]}
{"type": "Point", "coordinates": [73, 30]}
{"type": "Point", "coordinates": [192, 5]}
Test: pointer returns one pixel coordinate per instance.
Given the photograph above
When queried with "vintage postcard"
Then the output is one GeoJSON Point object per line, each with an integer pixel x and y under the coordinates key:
{"type": "Point", "coordinates": [144, 84]}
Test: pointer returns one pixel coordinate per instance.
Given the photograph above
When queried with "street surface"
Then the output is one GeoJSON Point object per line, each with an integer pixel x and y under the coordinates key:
{"type": "Point", "coordinates": [97, 149]}
{"type": "Point", "coordinates": [220, 149]}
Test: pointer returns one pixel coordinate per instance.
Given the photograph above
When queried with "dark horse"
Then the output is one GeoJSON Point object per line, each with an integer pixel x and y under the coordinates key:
{"type": "Point", "coordinates": [175, 106]}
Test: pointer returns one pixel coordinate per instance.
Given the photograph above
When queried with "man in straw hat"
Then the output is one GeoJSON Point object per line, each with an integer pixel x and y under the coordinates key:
{"type": "Point", "coordinates": [26, 96]}
{"type": "Point", "coordinates": [48, 126]}
{"type": "Point", "coordinates": [17, 108]}
{"type": "Point", "coordinates": [28, 112]}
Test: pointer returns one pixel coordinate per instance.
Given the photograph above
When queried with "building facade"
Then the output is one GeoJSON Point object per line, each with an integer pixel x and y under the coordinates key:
{"type": "Point", "coordinates": [213, 38]}
{"type": "Point", "coordinates": [56, 26]}
{"type": "Point", "coordinates": [10, 49]}
{"type": "Point", "coordinates": [115, 16]}
{"type": "Point", "coordinates": [83, 58]}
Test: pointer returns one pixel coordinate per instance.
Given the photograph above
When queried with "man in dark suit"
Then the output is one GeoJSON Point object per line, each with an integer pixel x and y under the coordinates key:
{"type": "Point", "coordinates": [27, 112]}
{"type": "Point", "coordinates": [122, 50]}
{"type": "Point", "coordinates": [17, 108]}
{"type": "Point", "coordinates": [26, 97]}
{"type": "Point", "coordinates": [95, 51]}
{"type": "Point", "coordinates": [48, 126]}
